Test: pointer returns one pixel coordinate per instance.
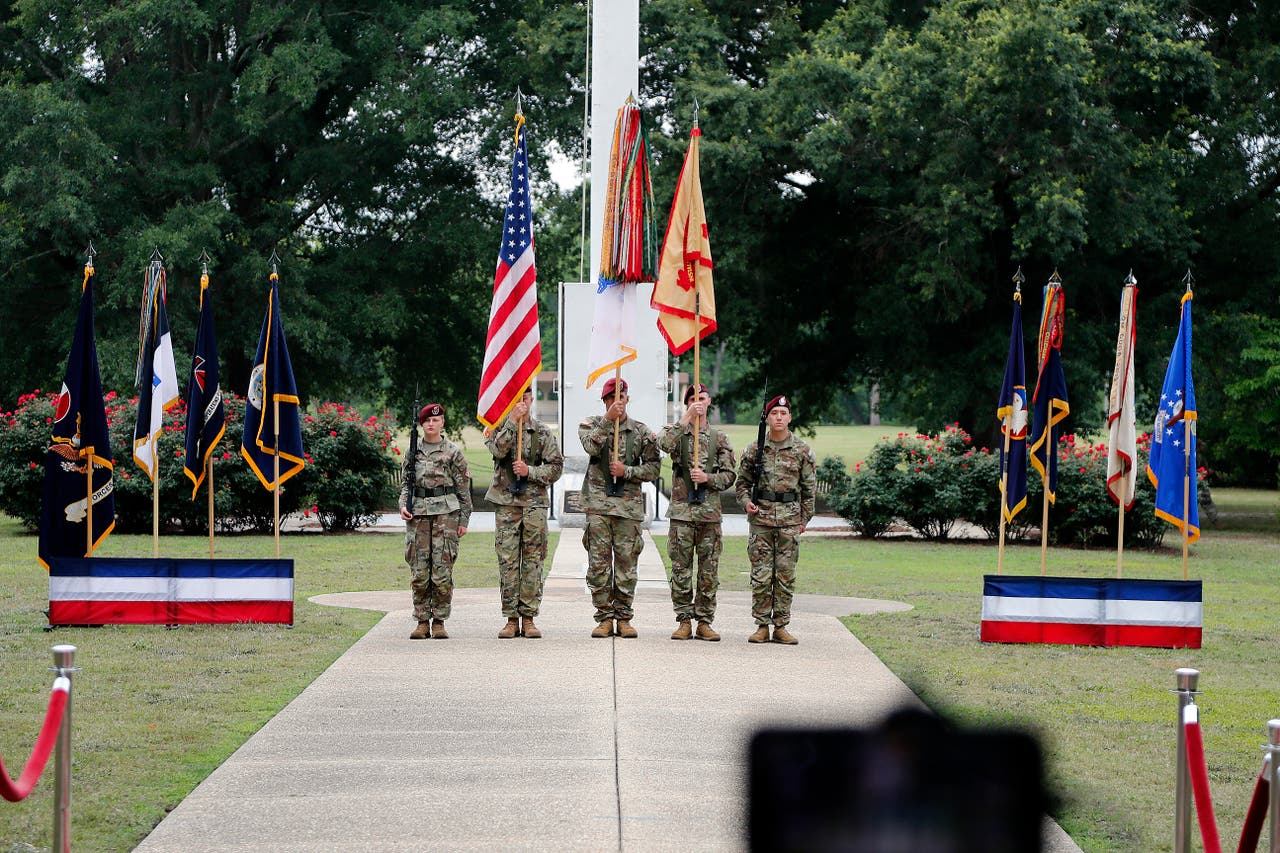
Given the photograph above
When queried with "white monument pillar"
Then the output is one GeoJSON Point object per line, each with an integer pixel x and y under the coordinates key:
{"type": "Point", "coordinates": [615, 74]}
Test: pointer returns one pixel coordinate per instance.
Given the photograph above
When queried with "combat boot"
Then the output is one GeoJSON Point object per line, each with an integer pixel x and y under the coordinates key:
{"type": "Point", "coordinates": [437, 630]}
{"type": "Point", "coordinates": [510, 629]}
{"type": "Point", "coordinates": [603, 629]}
{"type": "Point", "coordinates": [782, 635]}
{"type": "Point", "coordinates": [684, 631]}
{"type": "Point", "coordinates": [422, 632]}
{"type": "Point", "coordinates": [625, 631]}
{"type": "Point", "coordinates": [760, 636]}
{"type": "Point", "coordinates": [705, 633]}
{"type": "Point", "coordinates": [529, 629]}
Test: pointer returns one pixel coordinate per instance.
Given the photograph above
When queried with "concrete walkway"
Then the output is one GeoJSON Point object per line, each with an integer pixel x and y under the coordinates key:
{"type": "Point", "coordinates": [563, 743]}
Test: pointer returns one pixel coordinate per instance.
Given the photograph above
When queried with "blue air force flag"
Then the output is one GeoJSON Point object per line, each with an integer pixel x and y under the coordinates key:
{"type": "Point", "coordinates": [1012, 412]}
{"type": "Point", "coordinates": [1172, 464]}
{"type": "Point", "coordinates": [206, 421]}
{"type": "Point", "coordinates": [271, 382]}
{"type": "Point", "coordinates": [80, 440]}
{"type": "Point", "coordinates": [157, 377]}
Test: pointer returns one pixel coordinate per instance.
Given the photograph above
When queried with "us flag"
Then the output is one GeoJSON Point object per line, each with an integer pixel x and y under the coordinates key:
{"type": "Point", "coordinates": [513, 347]}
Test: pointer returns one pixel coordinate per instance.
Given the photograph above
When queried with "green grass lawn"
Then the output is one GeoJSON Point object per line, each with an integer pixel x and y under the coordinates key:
{"type": "Point", "coordinates": [156, 710]}
{"type": "Point", "coordinates": [1105, 716]}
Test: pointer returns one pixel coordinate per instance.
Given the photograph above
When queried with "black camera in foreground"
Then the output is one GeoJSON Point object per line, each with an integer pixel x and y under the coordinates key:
{"type": "Point", "coordinates": [913, 785]}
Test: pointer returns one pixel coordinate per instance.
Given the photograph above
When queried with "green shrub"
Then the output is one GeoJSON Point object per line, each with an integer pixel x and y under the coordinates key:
{"type": "Point", "coordinates": [348, 478]}
{"type": "Point", "coordinates": [24, 438]}
{"type": "Point", "coordinates": [869, 502]}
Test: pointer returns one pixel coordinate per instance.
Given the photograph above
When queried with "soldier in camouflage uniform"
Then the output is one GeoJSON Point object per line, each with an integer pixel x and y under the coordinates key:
{"type": "Point", "coordinates": [778, 511]}
{"type": "Point", "coordinates": [695, 524]}
{"type": "Point", "coordinates": [613, 537]}
{"type": "Point", "coordinates": [435, 502]}
{"type": "Point", "coordinates": [519, 493]}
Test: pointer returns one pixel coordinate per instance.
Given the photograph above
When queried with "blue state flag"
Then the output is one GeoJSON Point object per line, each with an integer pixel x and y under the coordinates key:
{"type": "Point", "coordinates": [1172, 463]}
{"type": "Point", "coordinates": [271, 390]}
{"type": "Point", "coordinates": [1012, 412]}
{"type": "Point", "coordinates": [206, 419]}
{"type": "Point", "coordinates": [157, 376]}
{"type": "Point", "coordinates": [80, 445]}
{"type": "Point", "coordinates": [1050, 404]}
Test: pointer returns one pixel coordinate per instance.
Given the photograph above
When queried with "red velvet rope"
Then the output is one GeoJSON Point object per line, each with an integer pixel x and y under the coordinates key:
{"type": "Point", "coordinates": [1253, 819]}
{"type": "Point", "coordinates": [1200, 787]}
{"type": "Point", "coordinates": [17, 791]}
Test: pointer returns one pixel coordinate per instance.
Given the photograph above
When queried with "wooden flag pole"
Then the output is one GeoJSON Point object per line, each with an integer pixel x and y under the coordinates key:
{"type": "Point", "coordinates": [520, 429]}
{"type": "Point", "coordinates": [617, 425]}
{"type": "Point", "coordinates": [1044, 517]}
{"type": "Point", "coordinates": [209, 477]}
{"type": "Point", "coordinates": [275, 457]}
{"type": "Point", "coordinates": [1004, 492]}
{"type": "Point", "coordinates": [88, 501]}
{"type": "Point", "coordinates": [1186, 494]}
{"type": "Point", "coordinates": [697, 370]}
{"type": "Point", "coordinates": [155, 500]}
{"type": "Point", "coordinates": [1120, 545]}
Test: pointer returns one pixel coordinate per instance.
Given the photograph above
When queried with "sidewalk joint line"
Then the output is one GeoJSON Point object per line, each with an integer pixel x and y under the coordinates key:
{"type": "Point", "coordinates": [617, 773]}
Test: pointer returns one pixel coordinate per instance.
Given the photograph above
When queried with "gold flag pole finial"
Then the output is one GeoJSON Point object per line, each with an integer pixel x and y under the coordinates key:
{"type": "Point", "coordinates": [89, 254]}
{"type": "Point", "coordinates": [695, 110]}
{"type": "Point", "coordinates": [519, 102]}
{"type": "Point", "coordinates": [204, 262]}
{"type": "Point", "coordinates": [1018, 279]}
{"type": "Point", "coordinates": [1189, 280]}
{"type": "Point", "coordinates": [274, 260]}
{"type": "Point", "coordinates": [1130, 281]}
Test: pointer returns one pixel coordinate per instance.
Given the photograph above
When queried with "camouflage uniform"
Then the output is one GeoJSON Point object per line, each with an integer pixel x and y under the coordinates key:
{"type": "Point", "coordinates": [695, 528]}
{"type": "Point", "coordinates": [520, 535]}
{"type": "Point", "coordinates": [774, 546]}
{"type": "Point", "coordinates": [437, 485]}
{"type": "Point", "coordinates": [613, 538]}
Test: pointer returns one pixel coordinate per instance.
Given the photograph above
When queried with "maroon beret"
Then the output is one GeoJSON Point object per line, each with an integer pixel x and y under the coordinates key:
{"type": "Point", "coordinates": [775, 402]}
{"type": "Point", "coordinates": [688, 392]}
{"type": "Point", "coordinates": [431, 410]}
{"type": "Point", "coordinates": [620, 384]}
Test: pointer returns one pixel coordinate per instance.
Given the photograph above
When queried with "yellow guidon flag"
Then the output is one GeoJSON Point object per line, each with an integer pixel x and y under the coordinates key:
{"type": "Point", "coordinates": [683, 295]}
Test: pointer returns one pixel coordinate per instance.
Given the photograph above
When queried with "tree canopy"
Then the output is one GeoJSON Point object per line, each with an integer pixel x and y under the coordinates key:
{"type": "Point", "coordinates": [874, 172]}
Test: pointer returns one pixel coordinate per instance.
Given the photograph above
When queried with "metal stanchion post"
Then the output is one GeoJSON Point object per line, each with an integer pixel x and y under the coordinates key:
{"type": "Point", "coordinates": [1188, 680]}
{"type": "Point", "coordinates": [1273, 777]}
{"type": "Point", "coordinates": [64, 658]}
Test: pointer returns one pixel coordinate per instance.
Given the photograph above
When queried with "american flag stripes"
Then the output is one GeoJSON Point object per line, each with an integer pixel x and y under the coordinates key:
{"type": "Point", "coordinates": [513, 346]}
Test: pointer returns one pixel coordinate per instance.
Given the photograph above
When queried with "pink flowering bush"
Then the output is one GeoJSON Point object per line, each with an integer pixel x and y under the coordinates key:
{"type": "Point", "coordinates": [24, 436]}
{"type": "Point", "coordinates": [349, 467]}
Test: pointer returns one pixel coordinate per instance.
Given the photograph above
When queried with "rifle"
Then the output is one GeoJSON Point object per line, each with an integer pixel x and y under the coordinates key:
{"type": "Point", "coordinates": [413, 448]}
{"type": "Point", "coordinates": [757, 469]}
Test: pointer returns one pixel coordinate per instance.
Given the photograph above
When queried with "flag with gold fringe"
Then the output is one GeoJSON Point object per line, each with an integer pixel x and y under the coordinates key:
{"type": "Point", "coordinates": [683, 295]}
{"type": "Point", "coordinates": [1012, 412]}
{"type": "Point", "coordinates": [1122, 433]}
{"type": "Point", "coordinates": [1049, 401]}
{"type": "Point", "coordinates": [78, 467]}
{"type": "Point", "coordinates": [1172, 465]}
{"type": "Point", "coordinates": [513, 345]}
{"type": "Point", "coordinates": [628, 246]}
